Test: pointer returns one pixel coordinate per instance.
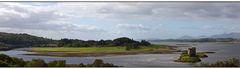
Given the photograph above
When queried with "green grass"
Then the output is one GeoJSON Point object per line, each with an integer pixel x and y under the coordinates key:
{"type": "Point", "coordinates": [100, 49]}
{"type": "Point", "coordinates": [83, 50]}
{"type": "Point", "coordinates": [187, 58]}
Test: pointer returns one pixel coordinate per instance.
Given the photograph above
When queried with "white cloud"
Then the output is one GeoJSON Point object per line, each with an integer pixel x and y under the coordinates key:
{"type": "Point", "coordinates": [143, 10]}
{"type": "Point", "coordinates": [133, 27]}
{"type": "Point", "coordinates": [63, 16]}
{"type": "Point", "coordinates": [20, 16]}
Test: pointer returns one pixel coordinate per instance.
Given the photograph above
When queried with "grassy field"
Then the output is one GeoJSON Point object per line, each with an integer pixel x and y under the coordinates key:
{"type": "Point", "coordinates": [80, 51]}
{"type": "Point", "coordinates": [97, 49]}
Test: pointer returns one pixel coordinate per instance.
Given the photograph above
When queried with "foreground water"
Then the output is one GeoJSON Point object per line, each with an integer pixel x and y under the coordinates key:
{"type": "Point", "coordinates": [223, 51]}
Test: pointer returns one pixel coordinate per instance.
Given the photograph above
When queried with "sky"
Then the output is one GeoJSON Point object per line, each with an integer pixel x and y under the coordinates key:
{"type": "Point", "coordinates": [109, 20]}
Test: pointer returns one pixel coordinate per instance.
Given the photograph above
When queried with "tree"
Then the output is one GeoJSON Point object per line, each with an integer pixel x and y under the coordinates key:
{"type": "Point", "coordinates": [128, 48]}
{"type": "Point", "coordinates": [82, 65]}
{"type": "Point", "coordinates": [11, 61]}
{"type": "Point", "coordinates": [145, 43]}
{"type": "Point", "coordinates": [23, 39]}
{"type": "Point", "coordinates": [18, 62]}
{"type": "Point", "coordinates": [109, 42]}
{"type": "Point", "coordinates": [135, 46]}
{"type": "Point", "coordinates": [63, 42]}
{"type": "Point", "coordinates": [98, 63]}
{"type": "Point", "coordinates": [3, 64]}
{"type": "Point", "coordinates": [102, 42]}
{"type": "Point", "coordinates": [122, 41]}
{"type": "Point", "coordinates": [36, 63]}
{"type": "Point", "coordinates": [5, 58]}
{"type": "Point", "coordinates": [57, 63]}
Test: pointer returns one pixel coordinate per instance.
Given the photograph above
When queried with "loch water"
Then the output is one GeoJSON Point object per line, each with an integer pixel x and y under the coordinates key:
{"type": "Point", "coordinates": [223, 51]}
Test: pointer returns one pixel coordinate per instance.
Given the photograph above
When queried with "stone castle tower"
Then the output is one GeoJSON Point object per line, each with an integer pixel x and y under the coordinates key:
{"type": "Point", "coordinates": [192, 51]}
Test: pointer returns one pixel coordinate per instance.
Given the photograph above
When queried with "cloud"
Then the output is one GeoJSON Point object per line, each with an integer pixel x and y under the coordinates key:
{"type": "Point", "coordinates": [133, 27]}
{"type": "Point", "coordinates": [86, 18]}
{"type": "Point", "coordinates": [21, 16]}
{"type": "Point", "coordinates": [154, 10]}
{"type": "Point", "coordinates": [26, 17]}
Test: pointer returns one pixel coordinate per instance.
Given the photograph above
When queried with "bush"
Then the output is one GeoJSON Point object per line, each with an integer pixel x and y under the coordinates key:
{"type": "Point", "coordinates": [17, 62]}
{"type": "Point", "coordinates": [6, 61]}
{"type": "Point", "coordinates": [189, 59]}
{"type": "Point", "coordinates": [11, 61]}
{"type": "Point", "coordinates": [145, 43]}
{"type": "Point", "coordinates": [57, 63]}
{"type": "Point", "coordinates": [3, 64]}
{"type": "Point", "coordinates": [82, 65]}
{"type": "Point", "coordinates": [233, 62]}
{"type": "Point", "coordinates": [128, 48]}
{"type": "Point", "coordinates": [5, 58]}
{"type": "Point", "coordinates": [98, 63]}
{"type": "Point", "coordinates": [36, 63]}
{"type": "Point", "coordinates": [186, 58]}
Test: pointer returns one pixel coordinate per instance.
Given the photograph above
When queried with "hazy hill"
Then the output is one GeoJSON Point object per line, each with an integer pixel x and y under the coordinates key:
{"type": "Point", "coordinates": [187, 37]}
{"type": "Point", "coordinates": [227, 35]}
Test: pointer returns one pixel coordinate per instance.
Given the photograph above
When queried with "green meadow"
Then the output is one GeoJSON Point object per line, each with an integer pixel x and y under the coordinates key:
{"type": "Point", "coordinates": [113, 49]}
{"type": "Point", "coordinates": [98, 51]}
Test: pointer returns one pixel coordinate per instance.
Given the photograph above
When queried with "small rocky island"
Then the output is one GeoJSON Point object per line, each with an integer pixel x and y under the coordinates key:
{"type": "Point", "coordinates": [191, 56]}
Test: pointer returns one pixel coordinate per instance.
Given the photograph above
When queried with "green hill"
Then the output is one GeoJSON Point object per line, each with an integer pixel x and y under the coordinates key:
{"type": "Point", "coordinates": [22, 39]}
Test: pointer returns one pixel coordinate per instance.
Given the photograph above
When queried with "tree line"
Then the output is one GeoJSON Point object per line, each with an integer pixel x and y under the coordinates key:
{"type": "Point", "coordinates": [128, 43]}
{"type": "Point", "coordinates": [6, 61]}
{"type": "Point", "coordinates": [122, 41]}
{"type": "Point", "coordinates": [12, 40]}
{"type": "Point", "coordinates": [23, 40]}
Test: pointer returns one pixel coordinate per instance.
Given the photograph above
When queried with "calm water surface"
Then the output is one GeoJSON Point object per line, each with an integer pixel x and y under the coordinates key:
{"type": "Point", "coordinates": [223, 51]}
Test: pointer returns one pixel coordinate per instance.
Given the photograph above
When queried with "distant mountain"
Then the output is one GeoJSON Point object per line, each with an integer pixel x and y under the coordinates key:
{"type": "Point", "coordinates": [202, 36]}
{"type": "Point", "coordinates": [226, 35]}
{"type": "Point", "coordinates": [187, 37]}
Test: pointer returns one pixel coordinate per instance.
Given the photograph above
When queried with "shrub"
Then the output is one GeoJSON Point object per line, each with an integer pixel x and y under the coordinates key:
{"type": "Point", "coordinates": [98, 63]}
{"type": "Point", "coordinates": [5, 58]}
{"type": "Point", "coordinates": [82, 65]}
{"type": "Point", "coordinates": [186, 58]}
{"type": "Point", "coordinates": [128, 48]}
{"type": "Point", "coordinates": [17, 62]}
{"type": "Point", "coordinates": [233, 62]}
{"type": "Point", "coordinates": [3, 64]}
{"type": "Point", "coordinates": [36, 63]}
{"type": "Point", "coordinates": [57, 63]}
{"type": "Point", "coordinates": [145, 43]}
